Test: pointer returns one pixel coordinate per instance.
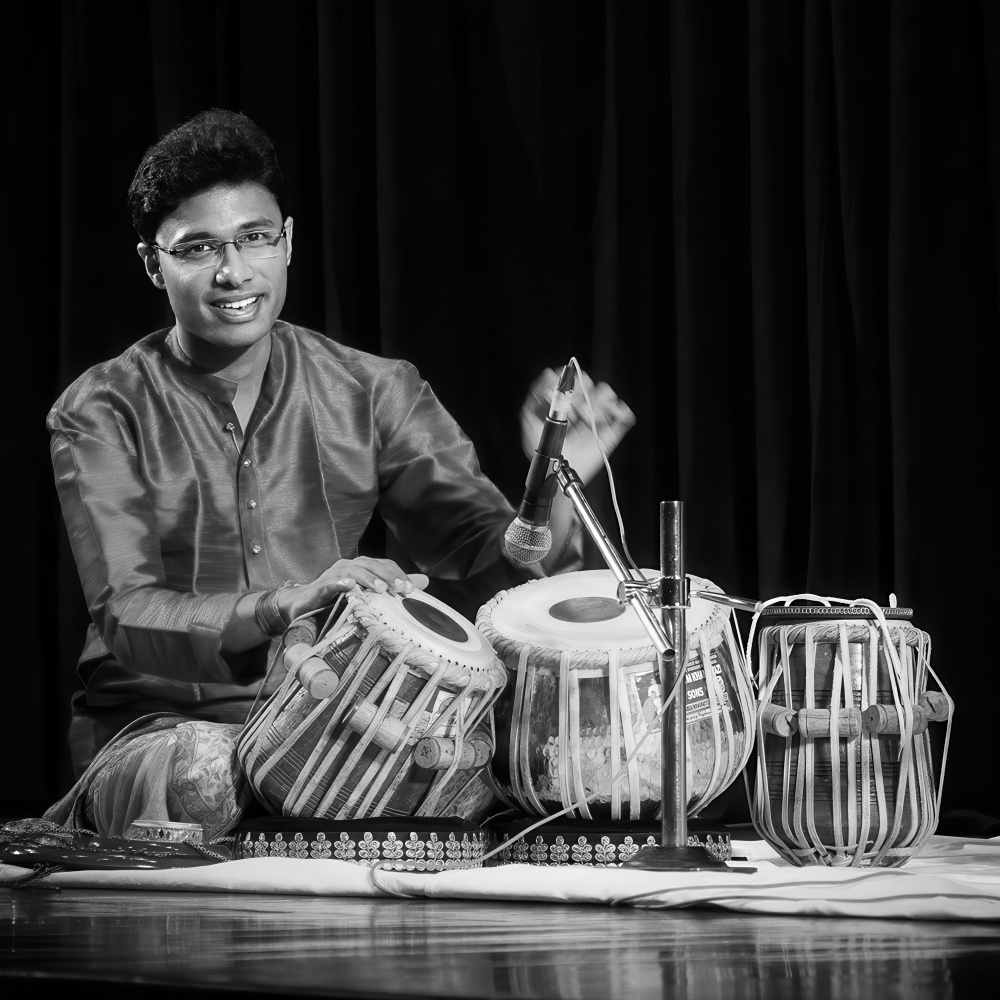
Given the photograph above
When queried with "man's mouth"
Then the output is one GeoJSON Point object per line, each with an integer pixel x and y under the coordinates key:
{"type": "Point", "coordinates": [237, 307]}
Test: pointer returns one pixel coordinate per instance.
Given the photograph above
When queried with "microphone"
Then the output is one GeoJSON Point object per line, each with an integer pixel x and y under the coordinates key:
{"type": "Point", "coordinates": [529, 537]}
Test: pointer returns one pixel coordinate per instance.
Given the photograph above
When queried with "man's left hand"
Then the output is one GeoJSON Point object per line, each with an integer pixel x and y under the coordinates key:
{"type": "Point", "coordinates": [612, 416]}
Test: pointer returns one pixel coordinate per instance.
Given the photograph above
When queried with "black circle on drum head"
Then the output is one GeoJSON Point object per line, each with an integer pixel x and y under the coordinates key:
{"type": "Point", "coordinates": [435, 619]}
{"type": "Point", "coordinates": [587, 609]}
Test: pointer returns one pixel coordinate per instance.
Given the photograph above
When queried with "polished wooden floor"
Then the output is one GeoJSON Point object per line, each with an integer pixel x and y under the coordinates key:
{"type": "Point", "coordinates": [111, 944]}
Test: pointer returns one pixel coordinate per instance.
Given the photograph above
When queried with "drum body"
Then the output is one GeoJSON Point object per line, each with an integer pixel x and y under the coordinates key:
{"type": "Point", "coordinates": [584, 692]}
{"type": "Point", "coordinates": [407, 730]}
{"type": "Point", "coordinates": [845, 772]}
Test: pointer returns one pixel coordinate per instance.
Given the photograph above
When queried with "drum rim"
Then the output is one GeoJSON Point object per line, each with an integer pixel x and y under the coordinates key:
{"type": "Point", "coordinates": [479, 655]}
{"type": "Point", "coordinates": [822, 612]}
{"type": "Point", "coordinates": [712, 630]}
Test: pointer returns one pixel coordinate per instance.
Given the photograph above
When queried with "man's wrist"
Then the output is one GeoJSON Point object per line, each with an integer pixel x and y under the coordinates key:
{"type": "Point", "coordinates": [268, 614]}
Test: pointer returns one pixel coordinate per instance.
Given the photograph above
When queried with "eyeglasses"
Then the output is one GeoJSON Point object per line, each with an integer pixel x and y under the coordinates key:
{"type": "Point", "coordinates": [257, 245]}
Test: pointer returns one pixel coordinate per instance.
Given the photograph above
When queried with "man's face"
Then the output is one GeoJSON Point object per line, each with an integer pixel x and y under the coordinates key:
{"type": "Point", "coordinates": [234, 303]}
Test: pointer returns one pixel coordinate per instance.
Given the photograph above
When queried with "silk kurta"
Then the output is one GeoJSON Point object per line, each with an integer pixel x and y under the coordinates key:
{"type": "Point", "coordinates": [173, 513]}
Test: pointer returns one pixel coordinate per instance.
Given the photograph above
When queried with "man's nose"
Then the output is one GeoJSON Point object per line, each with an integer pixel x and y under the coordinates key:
{"type": "Point", "coordinates": [233, 269]}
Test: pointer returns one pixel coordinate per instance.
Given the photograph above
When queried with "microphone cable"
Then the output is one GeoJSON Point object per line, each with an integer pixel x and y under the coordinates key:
{"type": "Point", "coordinates": [607, 465]}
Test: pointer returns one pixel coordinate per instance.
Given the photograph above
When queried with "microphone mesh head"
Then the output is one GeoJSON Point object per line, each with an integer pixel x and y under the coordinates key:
{"type": "Point", "coordinates": [527, 543]}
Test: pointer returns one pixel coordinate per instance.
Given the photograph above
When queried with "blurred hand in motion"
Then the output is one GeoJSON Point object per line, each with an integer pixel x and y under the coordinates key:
{"type": "Point", "coordinates": [380, 575]}
{"type": "Point", "coordinates": [613, 417]}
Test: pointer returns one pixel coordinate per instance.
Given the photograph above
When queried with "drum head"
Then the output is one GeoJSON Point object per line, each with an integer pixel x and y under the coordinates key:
{"type": "Point", "coordinates": [431, 624]}
{"type": "Point", "coordinates": [580, 611]}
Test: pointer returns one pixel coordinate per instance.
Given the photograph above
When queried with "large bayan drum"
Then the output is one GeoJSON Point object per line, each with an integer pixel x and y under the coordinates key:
{"type": "Point", "coordinates": [584, 693]}
{"type": "Point", "coordinates": [845, 773]}
{"type": "Point", "coordinates": [389, 715]}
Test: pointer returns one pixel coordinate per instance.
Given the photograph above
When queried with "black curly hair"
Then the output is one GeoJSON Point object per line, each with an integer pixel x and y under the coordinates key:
{"type": "Point", "coordinates": [217, 146]}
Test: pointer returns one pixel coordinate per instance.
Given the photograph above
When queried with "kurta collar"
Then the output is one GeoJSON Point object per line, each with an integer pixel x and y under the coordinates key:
{"type": "Point", "coordinates": [219, 390]}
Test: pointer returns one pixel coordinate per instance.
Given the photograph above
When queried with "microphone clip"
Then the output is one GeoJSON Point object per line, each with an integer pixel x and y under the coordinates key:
{"type": "Point", "coordinates": [629, 589]}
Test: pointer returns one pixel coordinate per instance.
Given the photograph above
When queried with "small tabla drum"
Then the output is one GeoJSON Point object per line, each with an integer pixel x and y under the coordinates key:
{"type": "Point", "coordinates": [845, 774]}
{"type": "Point", "coordinates": [388, 715]}
{"type": "Point", "coordinates": [584, 693]}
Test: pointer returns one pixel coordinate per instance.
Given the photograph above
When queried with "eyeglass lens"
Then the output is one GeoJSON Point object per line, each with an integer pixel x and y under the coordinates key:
{"type": "Point", "coordinates": [210, 253]}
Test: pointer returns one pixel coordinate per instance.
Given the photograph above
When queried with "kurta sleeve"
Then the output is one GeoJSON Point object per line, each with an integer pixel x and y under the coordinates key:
{"type": "Point", "coordinates": [448, 517]}
{"type": "Point", "coordinates": [146, 626]}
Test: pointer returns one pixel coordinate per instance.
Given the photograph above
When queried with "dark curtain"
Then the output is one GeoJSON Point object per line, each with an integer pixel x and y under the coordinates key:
{"type": "Point", "coordinates": [771, 226]}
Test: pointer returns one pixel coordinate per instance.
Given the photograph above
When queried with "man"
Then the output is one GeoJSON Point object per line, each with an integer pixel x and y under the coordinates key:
{"type": "Point", "coordinates": [216, 478]}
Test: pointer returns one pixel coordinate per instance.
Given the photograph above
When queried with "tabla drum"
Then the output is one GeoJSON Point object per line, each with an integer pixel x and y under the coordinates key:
{"type": "Point", "coordinates": [584, 693]}
{"type": "Point", "coordinates": [403, 729]}
{"type": "Point", "coordinates": [845, 775]}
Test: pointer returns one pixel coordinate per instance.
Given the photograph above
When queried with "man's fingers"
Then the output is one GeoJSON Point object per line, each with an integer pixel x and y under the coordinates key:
{"type": "Point", "coordinates": [610, 415]}
{"type": "Point", "coordinates": [379, 575]}
{"type": "Point", "coordinates": [602, 398]}
{"type": "Point", "coordinates": [610, 412]}
{"type": "Point", "coordinates": [540, 393]}
{"type": "Point", "coordinates": [309, 597]}
{"type": "Point", "coordinates": [621, 417]}
{"type": "Point", "coordinates": [584, 380]}
{"type": "Point", "coordinates": [387, 575]}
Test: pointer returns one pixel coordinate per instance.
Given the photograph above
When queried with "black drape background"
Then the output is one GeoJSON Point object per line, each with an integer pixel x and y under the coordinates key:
{"type": "Point", "coordinates": [772, 226]}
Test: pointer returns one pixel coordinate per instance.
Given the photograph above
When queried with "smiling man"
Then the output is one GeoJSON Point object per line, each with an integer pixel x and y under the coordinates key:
{"type": "Point", "coordinates": [216, 478]}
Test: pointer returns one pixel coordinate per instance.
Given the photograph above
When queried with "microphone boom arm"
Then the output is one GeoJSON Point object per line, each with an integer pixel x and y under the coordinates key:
{"type": "Point", "coordinates": [572, 487]}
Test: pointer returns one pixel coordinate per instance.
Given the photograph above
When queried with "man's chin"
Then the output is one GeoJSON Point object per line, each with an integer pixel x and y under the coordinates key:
{"type": "Point", "coordinates": [227, 337]}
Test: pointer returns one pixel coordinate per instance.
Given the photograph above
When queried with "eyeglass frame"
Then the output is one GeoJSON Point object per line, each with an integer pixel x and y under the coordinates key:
{"type": "Point", "coordinates": [221, 244]}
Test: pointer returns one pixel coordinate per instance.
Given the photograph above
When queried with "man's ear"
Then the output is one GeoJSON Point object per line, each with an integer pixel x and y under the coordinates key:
{"type": "Point", "coordinates": [288, 239]}
{"type": "Point", "coordinates": [151, 260]}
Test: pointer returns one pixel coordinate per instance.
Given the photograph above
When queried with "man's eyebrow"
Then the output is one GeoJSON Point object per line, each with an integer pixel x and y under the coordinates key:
{"type": "Point", "coordinates": [262, 223]}
{"type": "Point", "coordinates": [203, 234]}
{"type": "Point", "coordinates": [200, 234]}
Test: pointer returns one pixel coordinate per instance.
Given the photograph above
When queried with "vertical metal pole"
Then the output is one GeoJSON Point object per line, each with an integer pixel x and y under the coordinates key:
{"type": "Point", "coordinates": [673, 735]}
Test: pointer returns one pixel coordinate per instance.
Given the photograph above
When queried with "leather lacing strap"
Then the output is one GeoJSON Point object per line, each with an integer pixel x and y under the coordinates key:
{"type": "Point", "coordinates": [386, 687]}
{"type": "Point", "coordinates": [264, 749]}
{"type": "Point", "coordinates": [523, 688]}
{"type": "Point", "coordinates": [327, 746]}
{"type": "Point", "coordinates": [543, 821]}
{"type": "Point", "coordinates": [798, 838]}
{"type": "Point", "coordinates": [526, 673]}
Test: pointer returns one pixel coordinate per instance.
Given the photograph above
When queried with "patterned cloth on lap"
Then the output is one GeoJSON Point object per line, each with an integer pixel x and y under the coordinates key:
{"type": "Point", "coordinates": [163, 767]}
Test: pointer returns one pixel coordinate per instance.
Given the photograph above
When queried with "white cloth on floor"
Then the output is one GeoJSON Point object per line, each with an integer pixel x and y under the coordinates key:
{"type": "Point", "coordinates": [951, 879]}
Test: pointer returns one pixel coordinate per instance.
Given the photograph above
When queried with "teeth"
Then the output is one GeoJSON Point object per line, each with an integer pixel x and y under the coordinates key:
{"type": "Point", "coordinates": [242, 304]}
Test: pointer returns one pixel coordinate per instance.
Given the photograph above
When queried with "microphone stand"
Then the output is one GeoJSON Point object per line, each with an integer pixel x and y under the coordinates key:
{"type": "Point", "coordinates": [630, 591]}
{"type": "Point", "coordinates": [668, 634]}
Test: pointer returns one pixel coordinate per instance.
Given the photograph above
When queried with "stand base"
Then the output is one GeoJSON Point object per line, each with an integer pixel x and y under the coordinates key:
{"type": "Point", "coordinates": [659, 858]}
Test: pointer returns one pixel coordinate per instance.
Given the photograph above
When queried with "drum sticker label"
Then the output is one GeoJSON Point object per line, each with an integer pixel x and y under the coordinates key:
{"type": "Point", "coordinates": [698, 705]}
{"type": "Point", "coordinates": [645, 692]}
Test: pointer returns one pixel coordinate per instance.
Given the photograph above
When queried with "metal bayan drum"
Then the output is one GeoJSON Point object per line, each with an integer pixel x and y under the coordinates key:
{"type": "Point", "coordinates": [584, 693]}
{"type": "Point", "coordinates": [406, 730]}
{"type": "Point", "coordinates": [845, 773]}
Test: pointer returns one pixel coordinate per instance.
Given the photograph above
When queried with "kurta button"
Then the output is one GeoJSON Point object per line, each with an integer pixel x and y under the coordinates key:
{"type": "Point", "coordinates": [255, 550]}
{"type": "Point", "coordinates": [252, 504]}
{"type": "Point", "coordinates": [230, 426]}
{"type": "Point", "coordinates": [247, 462]}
